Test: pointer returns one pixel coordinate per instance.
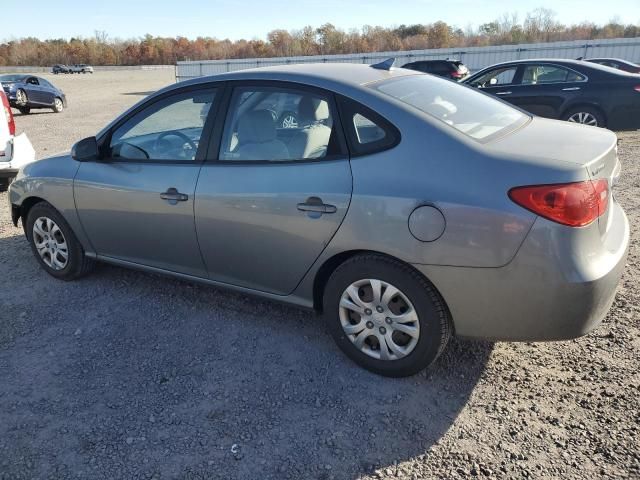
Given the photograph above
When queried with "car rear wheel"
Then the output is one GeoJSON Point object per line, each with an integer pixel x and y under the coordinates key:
{"type": "Point", "coordinates": [385, 316]}
{"type": "Point", "coordinates": [58, 106]}
{"type": "Point", "coordinates": [585, 116]}
{"type": "Point", "coordinates": [54, 244]}
{"type": "Point", "coordinates": [21, 98]}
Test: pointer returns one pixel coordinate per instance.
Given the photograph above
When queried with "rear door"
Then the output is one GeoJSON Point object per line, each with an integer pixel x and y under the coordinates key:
{"type": "Point", "coordinates": [273, 198]}
{"type": "Point", "coordinates": [136, 204]}
{"type": "Point", "coordinates": [544, 89]}
{"type": "Point", "coordinates": [35, 93]}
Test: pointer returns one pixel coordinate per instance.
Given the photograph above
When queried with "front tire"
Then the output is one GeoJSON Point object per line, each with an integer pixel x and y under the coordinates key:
{"type": "Point", "coordinates": [21, 98]}
{"type": "Point", "coordinates": [54, 244]}
{"type": "Point", "coordinates": [58, 106]}
{"type": "Point", "coordinates": [586, 116]}
{"type": "Point", "coordinates": [385, 316]}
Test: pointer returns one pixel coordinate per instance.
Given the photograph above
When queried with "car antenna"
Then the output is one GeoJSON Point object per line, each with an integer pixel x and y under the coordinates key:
{"type": "Point", "coordinates": [384, 65]}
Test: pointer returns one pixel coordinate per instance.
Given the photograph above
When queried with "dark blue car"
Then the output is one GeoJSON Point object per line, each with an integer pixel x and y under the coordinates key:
{"type": "Point", "coordinates": [27, 91]}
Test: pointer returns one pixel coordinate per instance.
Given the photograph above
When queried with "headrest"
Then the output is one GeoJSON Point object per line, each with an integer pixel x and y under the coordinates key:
{"type": "Point", "coordinates": [311, 110]}
{"type": "Point", "coordinates": [256, 126]}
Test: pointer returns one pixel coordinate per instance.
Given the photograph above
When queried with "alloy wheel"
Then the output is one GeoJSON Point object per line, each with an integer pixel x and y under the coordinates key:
{"type": "Point", "coordinates": [379, 319]}
{"type": "Point", "coordinates": [58, 105]}
{"type": "Point", "coordinates": [21, 97]}
{"type": "Point", "coordinates": [584, 118]}
{"type": "Point", "coordinates": [50, 243]}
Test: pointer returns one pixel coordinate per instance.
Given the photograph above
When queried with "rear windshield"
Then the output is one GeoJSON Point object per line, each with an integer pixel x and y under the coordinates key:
{"type": "Point", "coordinates": [468, 111]}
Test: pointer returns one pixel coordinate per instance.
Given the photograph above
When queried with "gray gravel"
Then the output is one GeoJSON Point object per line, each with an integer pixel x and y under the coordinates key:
{"type": "Point", "coordinates": [125, 375]}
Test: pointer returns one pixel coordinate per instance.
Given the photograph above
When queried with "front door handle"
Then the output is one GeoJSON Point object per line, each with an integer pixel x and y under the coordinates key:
{"type": "Point", "coordinates": [173, 196]}
{"type": "Point", "coordinates": [316, 207]}
{"type": "Point", "coordinates": [570, 89]}
{"type": "Point", "coordinates": [503, 93]}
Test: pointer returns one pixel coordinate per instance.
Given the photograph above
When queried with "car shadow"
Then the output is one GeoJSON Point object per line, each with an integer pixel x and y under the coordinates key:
{"type": "Point", "coordinates": [40, 111]}
{"type": "Point", "coordinates": [129, 372]}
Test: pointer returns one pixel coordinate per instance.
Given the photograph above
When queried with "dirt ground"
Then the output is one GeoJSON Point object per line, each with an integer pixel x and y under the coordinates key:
{"type": "Point", "coordinates": [125, 375]}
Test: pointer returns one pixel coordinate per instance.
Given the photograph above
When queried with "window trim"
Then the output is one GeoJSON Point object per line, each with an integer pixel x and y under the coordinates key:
{"type": "Point", "coordinates": [556, 65]}
{"type": "Point", "coordinates": [348, 109]}
{"type": "Point", "coordinates": [104, 141]}
{"type": "Point", "coordinates": [215, 143]}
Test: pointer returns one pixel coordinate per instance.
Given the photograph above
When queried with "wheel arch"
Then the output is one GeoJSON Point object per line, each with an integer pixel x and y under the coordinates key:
{"type": "Point", "coordinates": [585, 103]}
{"type": "Point", "coordinates": [24, 208]}
{"type": "Point", "coordinates": [323, 274]}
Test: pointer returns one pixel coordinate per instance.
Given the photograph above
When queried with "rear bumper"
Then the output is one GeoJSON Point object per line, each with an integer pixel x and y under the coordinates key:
{"type": "Point", "coordinates": [550, 291]}
{"type": "Point", "coordinates": [6, 176]}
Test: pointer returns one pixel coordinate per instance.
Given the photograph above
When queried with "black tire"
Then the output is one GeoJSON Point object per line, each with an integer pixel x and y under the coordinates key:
{"type": "Point", "coordinates": [58, 105]}
{"type": "Point", "coordinates": [599, 117]}
{"type": "Point", "coordinates": [78, 264]}
{"type": "Point", "coordinates": [433, 315]}
{"type": "Point", "coordinates": [24, 110]}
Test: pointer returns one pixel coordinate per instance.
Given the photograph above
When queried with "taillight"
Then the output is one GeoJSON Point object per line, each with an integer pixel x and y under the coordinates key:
{"type": "Point", "coordinates": [456, 74]}
{"type": "Point", "coordinates": [574, 204]}
{"type": "Point", "coordinates": [8, 113]}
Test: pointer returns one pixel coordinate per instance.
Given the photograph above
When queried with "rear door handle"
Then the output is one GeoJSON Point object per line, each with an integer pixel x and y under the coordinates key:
{"type": "Point", "coordinates": [314, 205]}
{"type": "Point", "coordinates": [503, 93]}
{"type": "Point", "coordinates": [173, 196]}
{"type": "Point", "coordinates": [570, 89]}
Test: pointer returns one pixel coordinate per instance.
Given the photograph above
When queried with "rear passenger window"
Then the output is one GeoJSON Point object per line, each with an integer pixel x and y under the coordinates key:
{"type": "Point", "coordinates": [366, 130]}
{"type": "Point", "coordinates": [278, 125]}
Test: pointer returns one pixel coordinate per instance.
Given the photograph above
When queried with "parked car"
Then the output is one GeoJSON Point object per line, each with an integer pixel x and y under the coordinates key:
{"type": "Point", "coordinates": [81, 68]}
{"type": "Point", "coordinates": [404, 207]}
{"type": "Point", "coordinates": [616, 63]}
{"type": "Point", "coordinates": [56, 69]}
{"type": "Point", "coordinates": [453, 69]}
{"type": "Point", "coordinates": [26, 92]}
{"type": "Point", "coordinates": [570, 90]}
{"type": "Point", "coordinates": [15, 151]}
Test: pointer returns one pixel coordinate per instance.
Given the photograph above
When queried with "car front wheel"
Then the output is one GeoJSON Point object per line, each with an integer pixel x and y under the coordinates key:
{"type": "Point", "coordinates": [58, 106]}
{"type": "Point", "coordinates": [54, 244]}
{"type": "Point", "coordinates": [386, 316]}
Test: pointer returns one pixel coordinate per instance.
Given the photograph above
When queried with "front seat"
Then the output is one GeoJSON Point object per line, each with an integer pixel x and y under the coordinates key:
{"type": "Point", "coordinates": [257, 138]}
{"type": "Point", "coordinates": [312, 140]}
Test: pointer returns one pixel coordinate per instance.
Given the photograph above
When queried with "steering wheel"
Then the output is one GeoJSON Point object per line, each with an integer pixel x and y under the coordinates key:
{"type": "Point", "coordinates": [178, 134]}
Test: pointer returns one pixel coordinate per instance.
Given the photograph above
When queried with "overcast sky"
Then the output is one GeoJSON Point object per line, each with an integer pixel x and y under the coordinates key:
{"type": "Point", "coordinates": [254, 18]}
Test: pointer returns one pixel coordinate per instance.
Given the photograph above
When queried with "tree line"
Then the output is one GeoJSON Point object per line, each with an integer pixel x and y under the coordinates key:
{"type": "Point", "coordinates": [540, 25]}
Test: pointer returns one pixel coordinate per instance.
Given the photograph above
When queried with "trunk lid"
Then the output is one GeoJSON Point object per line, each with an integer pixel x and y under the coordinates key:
{"type": "Point", "coordinates": [592, 148]}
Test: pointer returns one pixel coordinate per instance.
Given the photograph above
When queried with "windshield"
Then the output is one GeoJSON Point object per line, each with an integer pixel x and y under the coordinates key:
{"type": "Point", "coordinates": [11, 78]}
{"type": "Point", "coordinates": [468, 111]}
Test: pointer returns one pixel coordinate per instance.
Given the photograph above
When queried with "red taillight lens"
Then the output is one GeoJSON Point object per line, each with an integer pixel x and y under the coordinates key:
{"type": "Point", "coordinates": [8, 113]}
{"type": "Point", "coordinates": [456, 75]}
{"type": "Point", "coordinates": [573, 204]}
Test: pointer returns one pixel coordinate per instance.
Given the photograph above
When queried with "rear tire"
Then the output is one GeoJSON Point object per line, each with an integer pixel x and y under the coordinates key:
{"type": "Point", "coordinates": [21, 98]}
{"type": "Point", "coordinates": [586, 116]}
{"type": "Point", "coordinates": [414, 322]}
{"type": "Point", "coordinates": [54, 244]}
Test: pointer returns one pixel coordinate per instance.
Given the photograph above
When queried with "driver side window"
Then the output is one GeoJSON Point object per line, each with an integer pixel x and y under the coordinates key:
{"type": "Point", "coordinates": [496, 77]}
{"type": "Point", "coordinates": [167, 130]}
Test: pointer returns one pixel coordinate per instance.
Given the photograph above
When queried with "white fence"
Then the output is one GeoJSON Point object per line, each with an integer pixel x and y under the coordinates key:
{"type": "Point", "coordinates": [475, 58]}
{"type": "Point", "coordinates": [11, 69]}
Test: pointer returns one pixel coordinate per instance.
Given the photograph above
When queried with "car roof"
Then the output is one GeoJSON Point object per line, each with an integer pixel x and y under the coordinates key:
{"type": "Point", "coordinates": [348, 74]}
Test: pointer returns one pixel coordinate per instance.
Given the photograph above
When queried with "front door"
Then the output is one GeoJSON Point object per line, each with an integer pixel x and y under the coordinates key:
{"type": "Point", "coordinates": [136, 205]}
{"type": "Point", "coordinates": [272, 202]}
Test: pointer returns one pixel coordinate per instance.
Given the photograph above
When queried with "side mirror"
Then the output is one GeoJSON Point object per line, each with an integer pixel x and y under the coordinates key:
{"type": "Point", "coordinates": [86, 150]}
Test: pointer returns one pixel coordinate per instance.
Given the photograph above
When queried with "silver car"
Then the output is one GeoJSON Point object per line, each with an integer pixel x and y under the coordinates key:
{"type": "Point", "coordinates": [404, 207]}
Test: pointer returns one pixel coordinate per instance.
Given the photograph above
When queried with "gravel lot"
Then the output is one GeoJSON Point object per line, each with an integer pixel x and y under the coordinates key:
{"type": "Point", "coordinates": [125, 375]}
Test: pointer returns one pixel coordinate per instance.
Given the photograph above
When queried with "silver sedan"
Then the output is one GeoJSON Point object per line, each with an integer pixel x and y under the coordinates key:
{"type": "Point", "coordinates": [403, 207]}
